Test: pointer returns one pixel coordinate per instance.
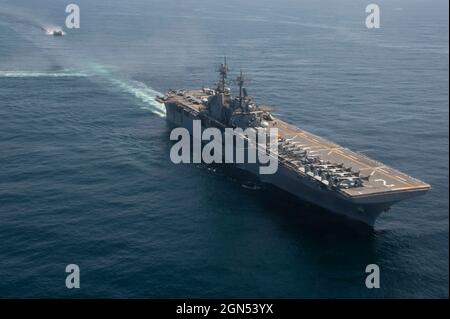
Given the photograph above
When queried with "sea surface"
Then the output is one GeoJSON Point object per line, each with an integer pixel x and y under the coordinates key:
{"type": "Point", "coordinates": [85, 175]}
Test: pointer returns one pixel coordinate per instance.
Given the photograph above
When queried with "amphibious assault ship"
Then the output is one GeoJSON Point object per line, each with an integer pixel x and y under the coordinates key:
{"type": "Point", "coordinates": [309, 167]}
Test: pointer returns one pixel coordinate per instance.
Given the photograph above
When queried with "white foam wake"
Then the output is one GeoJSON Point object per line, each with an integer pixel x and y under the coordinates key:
{"type": "Point", "coordinates": [135, 88]}
{"type": "Point", "coordinates": [142, 92]}
{"type": "Point", "coordinates": [39, 74]}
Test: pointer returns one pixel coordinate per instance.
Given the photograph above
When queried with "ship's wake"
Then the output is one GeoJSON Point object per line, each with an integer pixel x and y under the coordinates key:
{"type": "Point", "coordinates": [96, 72]}
{"type": "Point", "coordinates": [143, 93]}
{"type": "Point", "coordinates": [41, 74]}
{"type": "Point", "coordinates": [105, 76]}
{"type": "Point", "coordinates": [140, 91]}
{"type": "Point", "coordinates": [16, 15]}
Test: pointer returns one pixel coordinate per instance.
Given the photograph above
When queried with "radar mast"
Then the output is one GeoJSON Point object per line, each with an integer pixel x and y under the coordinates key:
{"type": "Point", "coordinates": [223, 71]}
{"type": "Point", "coordinates": [242, 91]}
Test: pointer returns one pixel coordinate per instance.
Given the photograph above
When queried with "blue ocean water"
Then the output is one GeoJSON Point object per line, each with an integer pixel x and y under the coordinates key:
{"type": "Point", "coordinates": [85, 175]}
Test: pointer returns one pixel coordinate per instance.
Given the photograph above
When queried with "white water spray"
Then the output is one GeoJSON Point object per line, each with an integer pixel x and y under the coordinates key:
{"type": "Point", "coordinates": [146, 95]}
{"type": "Point", "coordinates": [142, 92]}
{"type": "Point", "coordinates": [41, 74]}
{"type": "Point", "coordinates": [139, 90]}
{"type": "Point", "coordinates": [18, 15]}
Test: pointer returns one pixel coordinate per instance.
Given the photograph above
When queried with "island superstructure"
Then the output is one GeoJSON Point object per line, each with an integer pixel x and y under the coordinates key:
{"type": "Point", "coordinates": [310, 167]}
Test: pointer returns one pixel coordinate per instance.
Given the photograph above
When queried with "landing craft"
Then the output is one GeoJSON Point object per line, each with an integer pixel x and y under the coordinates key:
{"type": "Point", "coordinates": [55, 31]}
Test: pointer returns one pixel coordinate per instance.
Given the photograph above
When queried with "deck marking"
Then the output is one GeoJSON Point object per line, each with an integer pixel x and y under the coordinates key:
{"type": "Point", "coordinates": [291, 138]}
{"type": "Point", "coordinates": [357, 162]}
{"type": "Point", "coordinates": [384, 182]}
{"type": "Point", "coordinates": [406, 188]}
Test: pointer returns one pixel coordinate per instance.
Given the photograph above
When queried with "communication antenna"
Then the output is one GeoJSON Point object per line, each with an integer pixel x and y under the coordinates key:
{"type": "Point", "coordinates": [223, 71]}
{"type": "Point", "coordinates": [241, 82]}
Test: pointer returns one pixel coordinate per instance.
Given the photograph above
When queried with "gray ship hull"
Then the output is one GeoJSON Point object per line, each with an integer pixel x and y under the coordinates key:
{"type": "Point", "coordinates": [364, 210]}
